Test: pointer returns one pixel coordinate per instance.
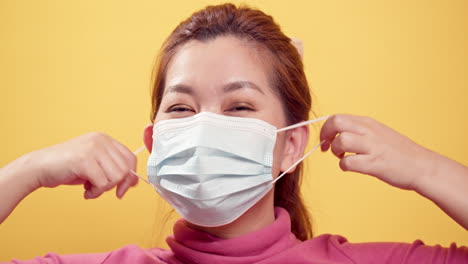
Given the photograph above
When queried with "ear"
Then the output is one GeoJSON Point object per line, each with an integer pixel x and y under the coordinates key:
{"type": "Point", "coordinates": [148, 137]}
{"type": "Point", "coordinates": [295, 144]}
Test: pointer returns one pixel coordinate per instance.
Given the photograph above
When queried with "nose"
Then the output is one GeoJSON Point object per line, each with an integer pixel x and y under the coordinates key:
{"type": "Point", "coordinates": [214, 108]}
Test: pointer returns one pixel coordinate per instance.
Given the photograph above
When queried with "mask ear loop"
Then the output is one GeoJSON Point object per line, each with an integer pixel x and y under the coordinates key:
{"type": "Point", "coordinates": [297, 162]}
{"type": "Point", "coordinates": [308, 153]}
{"type": "Point", "coordinates": [133, 172]}
{"type": "Point", "coordinates": [302, 123]}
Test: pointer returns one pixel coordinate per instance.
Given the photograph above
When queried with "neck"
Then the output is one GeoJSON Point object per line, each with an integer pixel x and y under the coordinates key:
{"type": "Point", "coordinates": [257, 217]}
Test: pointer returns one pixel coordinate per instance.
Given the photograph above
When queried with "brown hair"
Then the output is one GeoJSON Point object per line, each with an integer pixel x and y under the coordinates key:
{"type": "Point", "coordinates": [287, 79]}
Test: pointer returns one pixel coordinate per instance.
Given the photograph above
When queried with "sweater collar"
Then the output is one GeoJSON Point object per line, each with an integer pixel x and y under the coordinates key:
{"type": "Point", "coordinates": [199, 247]}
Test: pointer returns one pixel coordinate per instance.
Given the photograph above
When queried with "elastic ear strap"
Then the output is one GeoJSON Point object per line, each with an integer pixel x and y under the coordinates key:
{"type": "Point", "coordinates": [136, 152]}
{"type": "Point", "coordinates": [302, 124]}
{"type": "Point", "coordinates": [134, 173]}
{"type": "Point", "coordinates": [141, 178]}
{"type": "Point", "coordinates": [297, 162]}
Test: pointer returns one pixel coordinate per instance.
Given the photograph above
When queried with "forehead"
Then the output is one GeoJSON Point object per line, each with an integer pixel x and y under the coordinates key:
{"type": "Point", "coordinates": [218, 61]}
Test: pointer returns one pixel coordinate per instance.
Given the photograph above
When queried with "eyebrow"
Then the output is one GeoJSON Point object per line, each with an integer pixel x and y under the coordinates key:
{"type": "Point", "coordinates": [233, 86]}
{"type": "Point", "coordinates": [227, 88]}
{"type": "Point", "coordinates": [179, 88]}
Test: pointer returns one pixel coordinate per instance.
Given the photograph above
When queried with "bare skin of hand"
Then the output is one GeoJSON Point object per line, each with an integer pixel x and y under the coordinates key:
{"type": "Point", "coordinates": [376, 150]}
{"type": "Point", "coordinates": [95, 160]}
{"type": "Point", "coordinates": [366, 146]}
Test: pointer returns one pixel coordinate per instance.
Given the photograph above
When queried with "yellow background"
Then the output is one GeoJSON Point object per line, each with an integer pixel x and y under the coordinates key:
{"type": "Point", "coordinates": [71, 67]}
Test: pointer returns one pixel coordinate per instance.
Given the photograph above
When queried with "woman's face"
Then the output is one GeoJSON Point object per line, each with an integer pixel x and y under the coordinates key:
{"type": "Point", "coordinates": [224, 76]}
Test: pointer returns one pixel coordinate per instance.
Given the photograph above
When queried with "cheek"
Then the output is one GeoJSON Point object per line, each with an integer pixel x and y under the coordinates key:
{"type": "Point", "coordinates": [278, 154]}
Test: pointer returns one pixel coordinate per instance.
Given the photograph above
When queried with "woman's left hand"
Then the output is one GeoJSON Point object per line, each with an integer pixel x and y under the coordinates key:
{"type": "Point", "coordinates": [366, 146]}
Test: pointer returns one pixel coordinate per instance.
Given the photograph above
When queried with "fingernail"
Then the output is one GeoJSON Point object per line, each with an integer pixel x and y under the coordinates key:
{"type": "Point", "coordinates": [324, 147]}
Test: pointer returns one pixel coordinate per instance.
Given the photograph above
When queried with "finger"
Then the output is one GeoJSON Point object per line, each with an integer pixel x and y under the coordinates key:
{"type": "Point", "coordinates": [96, 178]}
{"type": "Point", "coordinates": [120, 162]}
{"type": "Point", "coordinates": [118, 156]}
{"type": "Point", "coordinates": [111, 169]}
{"type": "Point", "coordinates": [338, 124]}
{"type": "Point", "coordinates": [347, 142]}
{"type": "Point", "coordinates": [357, 163]}
{"type": "Point", "coordinates": [126, 161]}
{"type": "Point", "coordinates": [134, 179]}
{"type": "Point", "coordinates": [129, 157]}
{"type": "Point", "coordinates": [129, 181]}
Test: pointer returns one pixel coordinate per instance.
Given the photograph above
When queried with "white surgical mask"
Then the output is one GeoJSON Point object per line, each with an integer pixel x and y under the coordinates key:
{"type": "Point", "coordinates": [212, 168]}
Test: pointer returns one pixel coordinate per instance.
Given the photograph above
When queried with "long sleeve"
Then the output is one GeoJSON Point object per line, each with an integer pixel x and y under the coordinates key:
{"type": "Point", "coordinates": [52, 258]}
{"type": "Point", "coordinates": [416, 253]}
{"type": "Point", "coordinates": [128, 254]}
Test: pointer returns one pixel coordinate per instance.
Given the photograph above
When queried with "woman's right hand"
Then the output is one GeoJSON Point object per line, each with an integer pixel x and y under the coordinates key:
{"type": "Point", "coordinates": [95, 160]}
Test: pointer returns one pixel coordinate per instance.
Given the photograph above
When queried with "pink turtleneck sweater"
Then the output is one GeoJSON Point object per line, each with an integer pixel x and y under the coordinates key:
{"type": "Point", "coordinates": [272, 244]}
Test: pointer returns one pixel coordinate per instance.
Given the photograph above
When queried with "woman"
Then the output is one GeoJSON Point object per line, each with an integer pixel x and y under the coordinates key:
{"type": "Point", "coordinates": [226, 80]}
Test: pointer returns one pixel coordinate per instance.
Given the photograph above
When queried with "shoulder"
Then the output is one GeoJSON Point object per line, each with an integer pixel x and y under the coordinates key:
{"type": "Point", "coordinates": [387, 252]}
{"type": "Point", "coordinates": [128, 254]}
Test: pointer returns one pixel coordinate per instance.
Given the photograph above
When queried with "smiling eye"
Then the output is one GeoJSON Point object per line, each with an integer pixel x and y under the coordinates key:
{"type": "Point", "coordinates": [179, 108]}
{"type": "Point", "coordinates": [241, 108]}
